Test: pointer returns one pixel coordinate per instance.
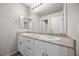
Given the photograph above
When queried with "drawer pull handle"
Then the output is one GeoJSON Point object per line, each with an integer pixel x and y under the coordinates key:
{"type": "Point", "coordinates": [28, 48]}
{"type": "Point", "coordinates": [46, 54]}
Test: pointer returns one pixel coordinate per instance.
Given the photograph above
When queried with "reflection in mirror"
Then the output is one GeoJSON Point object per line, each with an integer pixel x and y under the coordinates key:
{"type": "Point", "coordinates": [25, 23]}
{"type": "Point", "coordinates": [44, 26]}
{"type": "Point", "coordinates": [29, 25]}
{"type": "Point", "coordinates": [51, 18]}
{"type": "Point", "coordinates": [56, 24]}
{"type": "Point", "coordinates": [22, 22]}
{"type": "Point", "coordinates": [52, 23]}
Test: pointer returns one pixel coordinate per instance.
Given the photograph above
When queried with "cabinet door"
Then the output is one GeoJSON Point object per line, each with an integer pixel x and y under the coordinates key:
{"type": "Point", "coordinates": [21, 45]}
{"type": "Point", "coordinates": [50, 53]}
{"type": "Point", "coordinates": [25, 46]}
{"type": "Point", "coordinates": [39, 49]}
{"type": "Point", "coordinates": [70, 52]}
{"type": "Point", "coordinates": [28, 52]}
{"type": "Point", "coordinates": [55, 50]}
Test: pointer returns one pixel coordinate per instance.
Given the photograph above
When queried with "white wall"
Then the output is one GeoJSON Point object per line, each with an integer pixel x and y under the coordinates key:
{"type": "Point", "coordinates": [54, 22]}
{"type": "Point", "coordinates": [73, 22]}
{"type": "Point", "coordinates": [9, 15]}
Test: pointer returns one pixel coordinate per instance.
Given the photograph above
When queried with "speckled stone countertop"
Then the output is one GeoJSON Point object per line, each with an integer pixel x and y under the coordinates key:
{"type": "Point", "coordinates": [58, 39]}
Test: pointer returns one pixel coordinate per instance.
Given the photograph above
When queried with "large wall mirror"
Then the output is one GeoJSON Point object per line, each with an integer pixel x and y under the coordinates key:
{"type": "Point", "coordinates": [53, 22]}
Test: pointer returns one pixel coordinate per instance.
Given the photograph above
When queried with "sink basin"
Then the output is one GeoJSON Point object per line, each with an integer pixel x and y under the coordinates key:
{"type": "Point", "coordinates": [50, 37]}
{"type": "Point", "coordinates": [30, 34]}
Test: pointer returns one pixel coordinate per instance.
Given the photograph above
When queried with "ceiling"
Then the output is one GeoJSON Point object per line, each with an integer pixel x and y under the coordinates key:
{"type": "Point", "coordinates": [46, 8]}
{"type": "Point", "coordinates": [27, 4]}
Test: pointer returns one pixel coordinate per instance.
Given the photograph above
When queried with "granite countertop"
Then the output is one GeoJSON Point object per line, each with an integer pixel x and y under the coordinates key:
{"type": "Point", "coordinates": [57, 39]}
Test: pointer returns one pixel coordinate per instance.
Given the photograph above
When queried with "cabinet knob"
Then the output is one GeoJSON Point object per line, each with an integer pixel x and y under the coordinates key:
{"type": "Point", "coordinates": [28, 48]}
{"type": "Point", "coordinates": [20, 42]}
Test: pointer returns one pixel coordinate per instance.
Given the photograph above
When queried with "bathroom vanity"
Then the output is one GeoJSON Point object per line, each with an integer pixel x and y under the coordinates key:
{"type": "Point", "coordinates": [33, 44]}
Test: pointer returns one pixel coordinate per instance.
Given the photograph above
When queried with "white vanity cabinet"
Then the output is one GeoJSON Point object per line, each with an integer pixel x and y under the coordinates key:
{"type": "Point", "coordinates": [25, 46]}
{"type": "Point", "coordinates": [55, 50]}
{"type": "Point", "coordinates": [34, 47]}
{"type": "Point", "coordinates": [48, 49]}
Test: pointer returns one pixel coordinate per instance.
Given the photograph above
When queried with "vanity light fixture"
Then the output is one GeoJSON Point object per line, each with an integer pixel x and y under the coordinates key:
{"type": "Point", "coordinates": [35, 5]}
{"type": "Point", "coordinates": [21, 17]}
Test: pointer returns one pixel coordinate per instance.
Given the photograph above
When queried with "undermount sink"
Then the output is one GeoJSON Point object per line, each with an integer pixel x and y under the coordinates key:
{"type": "Point", "coordinates": [30, 34]}
{"type": "Point", "coordinates": [50, 37]}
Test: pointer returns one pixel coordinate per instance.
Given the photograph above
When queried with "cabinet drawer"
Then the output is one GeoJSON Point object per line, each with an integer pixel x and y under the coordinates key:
{"type": "Point", "coordinates": [28, 42]}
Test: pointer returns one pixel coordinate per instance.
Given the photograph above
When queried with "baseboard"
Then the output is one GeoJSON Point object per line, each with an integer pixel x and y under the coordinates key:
{"type": "Point", "coordinates": [12, 53]}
